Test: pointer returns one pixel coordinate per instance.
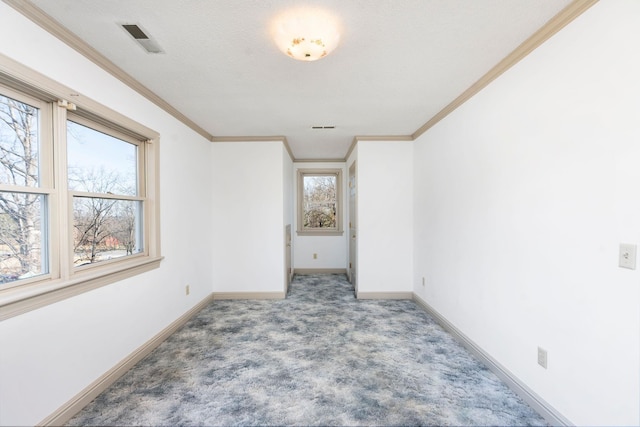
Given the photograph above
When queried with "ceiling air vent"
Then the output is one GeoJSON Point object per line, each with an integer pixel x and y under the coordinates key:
{"type": "Point", "coordinates": [139, 35]}
{"type": "Point", "coordinates": [323, 127]}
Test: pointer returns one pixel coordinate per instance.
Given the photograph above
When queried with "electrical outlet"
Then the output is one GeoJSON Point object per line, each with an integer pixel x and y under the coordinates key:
{"type": "Point", "coordinates": [423, 282]}
{"type": "Point", "coordinates": [315, 256]}
{"type": "Point", "coordinates": [627, 257]}
{"type": "Point", "coordinates": [542, 357]}
{"type": "Point", "coordinates": [186, 290]}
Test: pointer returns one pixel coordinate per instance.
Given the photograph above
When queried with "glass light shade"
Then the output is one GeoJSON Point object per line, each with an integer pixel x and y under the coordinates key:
{"type": "Point", "coordinates": [306, 35]}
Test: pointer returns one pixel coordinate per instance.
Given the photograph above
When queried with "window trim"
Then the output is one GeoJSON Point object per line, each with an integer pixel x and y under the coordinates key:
{"type": "Point", "coordinates": [301, 230]}
{"type": "Point", "coordinates": [46, 179]}
{"type": "Point", "coordinates": [63, 282]}
{"type": "Point", "coordinates": [141, 185]}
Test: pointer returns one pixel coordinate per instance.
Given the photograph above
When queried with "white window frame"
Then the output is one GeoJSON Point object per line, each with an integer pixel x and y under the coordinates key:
{"type": "Point", "coordinates": [140, 180]}
{"type": "Point", "coordinates": [45, 186]}
{"type": "Point", "coordinates": [65, 280]}
{"type": "Point", "coordinates": [309, 231]}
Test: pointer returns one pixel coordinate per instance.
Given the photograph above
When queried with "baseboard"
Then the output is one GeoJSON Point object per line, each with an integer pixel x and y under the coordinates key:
{"type": "Point", "coordinates": [551, 415]}
{"type": "Point", "coordinates": [385, 295]}
{"type": "Point", "coordinates": [248, 295]}
{"type": "Point", "coordinates": [73, 406]}
{"type": "Point", "coordinates": [308, 271]}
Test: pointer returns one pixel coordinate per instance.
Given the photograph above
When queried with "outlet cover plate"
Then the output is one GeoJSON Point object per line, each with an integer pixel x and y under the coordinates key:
{"type": "Point", "coordinates": [627, 257]}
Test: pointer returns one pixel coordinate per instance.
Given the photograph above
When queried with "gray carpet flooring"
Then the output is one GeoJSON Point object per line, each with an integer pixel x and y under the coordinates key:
{"type": "Point", "coordinates": [319, 357]}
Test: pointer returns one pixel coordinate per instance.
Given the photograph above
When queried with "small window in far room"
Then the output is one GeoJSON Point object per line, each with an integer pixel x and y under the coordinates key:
{"type": "Point", "coordinates": [319, 202]}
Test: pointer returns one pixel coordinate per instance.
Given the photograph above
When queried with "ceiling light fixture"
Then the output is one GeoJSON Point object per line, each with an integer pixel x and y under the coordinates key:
{"type": "Point", "coordinates": [306, 34]}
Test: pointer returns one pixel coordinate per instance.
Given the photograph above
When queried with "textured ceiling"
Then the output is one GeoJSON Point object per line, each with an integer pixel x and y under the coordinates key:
{"type": "Point", "coordinates": [399, 62]}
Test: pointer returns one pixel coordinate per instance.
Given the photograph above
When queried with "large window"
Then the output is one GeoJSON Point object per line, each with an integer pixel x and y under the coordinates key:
{"type": "Point", "coordinates": [319, 202]}
{"type": "Point", "coordinates": [105, 188]}
{"type": "Point", "coordinates": [24, 190]}
{"type": "Point", "coordinates": [78, 198]}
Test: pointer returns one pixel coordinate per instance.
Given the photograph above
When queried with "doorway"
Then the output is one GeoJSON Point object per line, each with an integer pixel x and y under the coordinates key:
{"type": "Point", "coordinates": [287, 256]}
{"type": "Point", "coordinates": [353, 242]}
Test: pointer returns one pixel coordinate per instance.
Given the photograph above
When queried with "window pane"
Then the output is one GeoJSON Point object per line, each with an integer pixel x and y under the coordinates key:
{"type": "Point", "coordinates": [100, 163]}
{"type": "Point", "coordinates": [18, 143]}
{"type": "Point", "coordinates": [22, 236]}
{"type": "Point", "coordinates": [320, 203]}
{"type": "Point", "coordinates": [105, 229]}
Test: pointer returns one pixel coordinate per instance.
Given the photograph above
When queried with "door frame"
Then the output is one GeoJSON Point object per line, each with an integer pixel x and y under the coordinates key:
{"type": "Point", "coordinates": [353, 225]}
{"type": "Point", "coordinates": [288, 255]}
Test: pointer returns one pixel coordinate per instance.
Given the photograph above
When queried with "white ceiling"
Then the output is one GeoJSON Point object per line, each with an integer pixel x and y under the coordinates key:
{"type": "Point", "coordinates": [399, 62]}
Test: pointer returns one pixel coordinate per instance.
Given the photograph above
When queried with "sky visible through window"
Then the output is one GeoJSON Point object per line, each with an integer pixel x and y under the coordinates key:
{"type": "Point", "coordinates": [100, 163]}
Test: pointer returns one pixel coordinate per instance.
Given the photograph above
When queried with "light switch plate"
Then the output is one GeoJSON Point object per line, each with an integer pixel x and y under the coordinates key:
{"type": "Point", "coordinates": [627, 258]}
{"type": "Point", "coordinates": [542, 357]}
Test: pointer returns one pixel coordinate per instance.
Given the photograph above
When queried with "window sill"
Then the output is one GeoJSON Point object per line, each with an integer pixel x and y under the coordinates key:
{"type": "Point", "coordinates": [22, 299]}
{"type": "Point", "coordinates": [320, 233]}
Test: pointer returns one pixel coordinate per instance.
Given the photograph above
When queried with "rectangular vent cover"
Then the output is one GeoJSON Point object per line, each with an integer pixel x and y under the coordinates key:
{"type": "Point", "coordinates": [140, 36]}
{"type": "Point", "coordinates": [135, 31]}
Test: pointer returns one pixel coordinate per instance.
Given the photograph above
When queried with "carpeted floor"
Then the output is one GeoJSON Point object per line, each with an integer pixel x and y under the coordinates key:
{"type": "Point", "coordinates": [319, 357]}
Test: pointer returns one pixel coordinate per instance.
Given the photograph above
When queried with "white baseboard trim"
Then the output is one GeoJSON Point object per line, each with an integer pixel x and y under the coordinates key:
{"type": "Point", "coordinates": [73, 406]}
{"type": "Point", "coordinates": [248, 295]}
{"type": "Point", "coordinates": [307, 271]}
{"type": "Point", "coordinates": [79, 401]}
{"type": "Point", "coordinates": [384, 295]}
{"type": "Point", "coordinates": [551, 415]}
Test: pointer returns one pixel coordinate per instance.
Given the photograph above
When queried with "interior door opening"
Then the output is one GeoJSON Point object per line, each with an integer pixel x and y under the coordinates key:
{"type": "Point", "coordinates": [353, 242]}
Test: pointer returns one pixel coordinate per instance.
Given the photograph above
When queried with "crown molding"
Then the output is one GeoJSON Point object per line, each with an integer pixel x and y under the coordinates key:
{"type": "Point", "coordinates": [359, 138]}
{"type": "Point", "coordinates": [555, 24]}
{"type": "Point", "coordinates": [247, 138]}
{"type": "Point", "coordinates": [52, 26]}
{"type": "Point", "coordinates": [383, 138]}
{"type": "Point", "coordinates": [288, 148]}
{"type": "Point", "coordinates": [282, 139]}
{"type": "Point", "coordinates": [352, 147]}
{"type": "Point", "coordinates": [319, 161]}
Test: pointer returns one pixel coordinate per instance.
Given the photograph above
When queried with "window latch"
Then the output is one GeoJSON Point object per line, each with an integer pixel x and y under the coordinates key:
{"type": "Point", "coordinates": [66, 104]}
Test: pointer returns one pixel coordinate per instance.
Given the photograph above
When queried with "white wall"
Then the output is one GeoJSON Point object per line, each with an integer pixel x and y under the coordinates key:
{"type": "Point", "coordinates": [522, 197]}
{"type": "Point", "coordinates": [49, 355]}
{"type": "Point", "coordinates": [248, 211]}
{"type": "Point", "coordinates": [331, 250]}
{"type": "Point", "coordinates": [385, 216]}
